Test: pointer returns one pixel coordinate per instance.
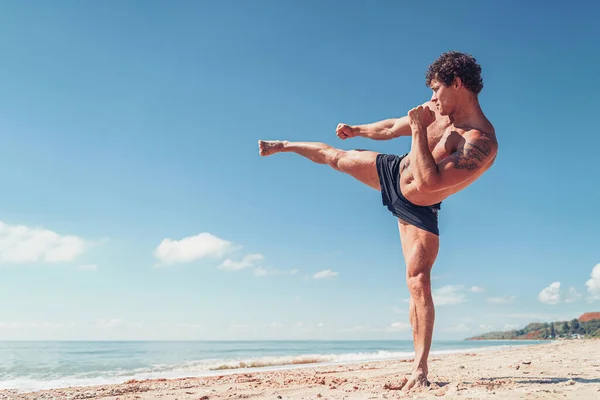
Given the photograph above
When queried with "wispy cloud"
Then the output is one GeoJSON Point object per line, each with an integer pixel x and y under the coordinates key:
{"type": "Point", "coordinates": [501, 300]}
{"type": "Point", "coordinates": [248, 261]}
{"type": "Point", "coordinates": [476, 289]}
{"type": "Point", "coordinates": [260, 271]}
{"type": "Point", "coordinates": [593, 284]}
{"type": "Point", "coordinates": [449, 294]}
{"type": "Point", "coordinates": [572, 296]}
{"type": "Point", "coordinates": [325, 274]}
{"type": "Point", "coordinates": [22, 244]}
{"type": "Point", "coordinates": [191, 248]}
{"type": "Point", "coordinates": [398, 327]}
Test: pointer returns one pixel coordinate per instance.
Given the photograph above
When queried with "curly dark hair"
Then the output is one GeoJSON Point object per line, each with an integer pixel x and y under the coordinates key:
{"type": "Point", "coordinates": [454, 64]}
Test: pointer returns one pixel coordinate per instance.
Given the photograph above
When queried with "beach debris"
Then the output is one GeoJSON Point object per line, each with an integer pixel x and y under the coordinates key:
{"type": "Point", "coordinates": [461, 367]}
{"type": "Point", "coordinates": [205, 397]}
{"type": "Point", "coordinates": [570, 382]}
{"type": "Point", "coordinates": [526, 362]}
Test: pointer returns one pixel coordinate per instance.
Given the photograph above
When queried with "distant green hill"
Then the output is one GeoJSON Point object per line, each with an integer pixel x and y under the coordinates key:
{"type": "Point", "coordinates": [549, 330]}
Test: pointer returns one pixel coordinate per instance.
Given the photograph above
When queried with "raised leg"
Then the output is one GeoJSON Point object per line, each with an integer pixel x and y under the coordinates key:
{"type": "Point", "coordinates": [420, 249]}
{"type": "Point", "coordinates": [361, 164]}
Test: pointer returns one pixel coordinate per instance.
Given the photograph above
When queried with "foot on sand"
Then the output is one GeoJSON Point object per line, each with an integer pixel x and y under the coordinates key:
{"type": "Point", "coordinates": [268, 147]}
{"type": "Point", "coordinates": [418, 380]}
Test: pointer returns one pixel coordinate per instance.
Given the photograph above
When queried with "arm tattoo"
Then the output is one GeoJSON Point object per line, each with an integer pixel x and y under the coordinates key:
{"type": "Point", "coordinates": [471, 155]}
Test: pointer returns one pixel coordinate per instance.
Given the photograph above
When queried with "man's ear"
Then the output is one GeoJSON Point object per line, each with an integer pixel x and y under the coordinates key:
{"type": "Point", "coordinates": [458, 83]}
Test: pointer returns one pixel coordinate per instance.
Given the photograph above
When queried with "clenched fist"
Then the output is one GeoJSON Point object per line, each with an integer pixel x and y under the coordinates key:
{"type": "Point", "coordinates": [421, 116]}
{"type": "Point", "coordinates": [345, 131]}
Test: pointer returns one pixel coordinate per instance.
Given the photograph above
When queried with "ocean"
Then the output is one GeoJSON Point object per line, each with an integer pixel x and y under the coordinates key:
{"type": "Point", "coordinates": [30, 366]}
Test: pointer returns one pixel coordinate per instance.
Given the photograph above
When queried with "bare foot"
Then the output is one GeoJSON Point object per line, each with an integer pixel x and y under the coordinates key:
{"type": "Point", "coordinates": [418, 380]}
{"type": "Point", "coordinates": [268, 147]}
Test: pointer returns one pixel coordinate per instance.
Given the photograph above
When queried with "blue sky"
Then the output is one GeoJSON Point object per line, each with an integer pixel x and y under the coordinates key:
{"type": "Point", "coordinates": [135, 205]}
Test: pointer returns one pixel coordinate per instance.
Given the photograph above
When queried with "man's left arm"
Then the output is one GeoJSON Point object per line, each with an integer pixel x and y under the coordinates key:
{"type": "Point", "coordinates": [454, 169]}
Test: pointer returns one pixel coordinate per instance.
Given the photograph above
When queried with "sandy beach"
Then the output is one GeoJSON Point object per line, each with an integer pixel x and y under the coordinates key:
{"type": "Point", "coordinates": [554, 370]}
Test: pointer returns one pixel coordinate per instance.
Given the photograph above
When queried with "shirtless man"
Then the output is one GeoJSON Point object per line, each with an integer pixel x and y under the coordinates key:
{"type": "Point", "coordinates": [453, 144]}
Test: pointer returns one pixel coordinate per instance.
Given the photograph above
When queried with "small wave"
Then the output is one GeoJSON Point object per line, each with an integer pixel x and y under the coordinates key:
{"type": "Point", "coordinates": [308, 359]}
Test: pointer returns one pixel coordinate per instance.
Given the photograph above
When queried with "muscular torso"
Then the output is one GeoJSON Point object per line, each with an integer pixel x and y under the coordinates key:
{"type": "Point", "coordinates": [443, 139]}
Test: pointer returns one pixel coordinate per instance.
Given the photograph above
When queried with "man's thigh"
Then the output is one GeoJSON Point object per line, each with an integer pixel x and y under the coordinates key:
{"type": "Point", "coordinates": [419, 247]}
{"type": "Point", "coordinates": [362, 165]}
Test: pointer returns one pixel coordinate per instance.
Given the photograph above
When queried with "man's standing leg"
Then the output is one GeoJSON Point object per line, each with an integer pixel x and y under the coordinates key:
{"type": "Point", "coordinates": [420, 249]}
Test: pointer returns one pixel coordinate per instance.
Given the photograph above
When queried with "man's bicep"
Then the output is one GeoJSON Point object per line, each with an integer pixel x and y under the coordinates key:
{"type": "Point", "coordinates": [401, 127]}
{"type": "Point", "coordinates": [464, 163]}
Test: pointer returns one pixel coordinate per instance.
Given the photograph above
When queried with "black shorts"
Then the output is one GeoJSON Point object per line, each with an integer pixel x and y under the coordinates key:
{"type": "Point", "coordinates": [424, 217]}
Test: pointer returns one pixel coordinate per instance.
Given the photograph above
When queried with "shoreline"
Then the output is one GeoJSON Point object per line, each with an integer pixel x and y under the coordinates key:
{"type": "Point", "coordinates": [539, 370]}
{"type": "Point", "coordinates": [273, 363]}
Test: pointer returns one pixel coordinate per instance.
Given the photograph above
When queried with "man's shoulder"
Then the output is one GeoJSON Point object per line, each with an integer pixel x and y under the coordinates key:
{"type": "Point", "coordinates": [481, 143]}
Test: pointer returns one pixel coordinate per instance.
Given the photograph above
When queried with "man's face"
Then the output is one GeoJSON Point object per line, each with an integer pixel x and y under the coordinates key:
{"type": "Point", "coordinates": [444, 97]}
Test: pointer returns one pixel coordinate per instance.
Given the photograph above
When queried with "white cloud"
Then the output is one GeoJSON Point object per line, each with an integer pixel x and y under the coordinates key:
{"type": "Point", "coordinates": [593, 284]}
{"type": "Point", "coordinates": [449, 294]}
{"type": "Point", "coordinates": [476, 289]}
{"type": "Point", "coordinates": [325, 274]}
{"type": "Point", "coordinates": [485, 327]}
{"type": "Point", "coordinates": [457, 328]}
{"type": "Point", "coordinates": [191, 248]}
{"type": "Point", "coordinates": [87, 267]}
{"type": "Point", "coordinates": [501, 300]}
{"type": "Point", "coordinates": [320, 324]}
{"type": "Point", "coordinates": [510, 327]}
{"type": "Point", "coordinates": [260, 271]}
{"type": "Point", "coordinates": [398, 327]}
{"type": "Point", "coordinates": [551, 294]}
{"type": "Point", "coordinates": [22, 244]}
{"type": "Point", "coordinates": [247, 262]}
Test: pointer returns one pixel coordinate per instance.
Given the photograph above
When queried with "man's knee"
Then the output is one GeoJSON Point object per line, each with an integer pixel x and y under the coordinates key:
{"type": "Point", "coordinates": [347, 160]}
{"type": "Point", "coordinates": [419, 285]}
{"type": "Point", "coordinates": [418, 272]}
{"type": "Point", "coordinates": [341, 160]}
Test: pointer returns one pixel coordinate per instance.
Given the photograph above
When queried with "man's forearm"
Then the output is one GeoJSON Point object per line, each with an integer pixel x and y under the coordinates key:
{"type": "Point", "coordinates": [384, 130]}
{"type": "Point", "coordinates": [423, 164]}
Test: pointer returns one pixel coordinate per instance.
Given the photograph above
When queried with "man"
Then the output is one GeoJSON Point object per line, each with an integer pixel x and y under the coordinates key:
{"type": "Point", "coordinates": [453, 144]}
